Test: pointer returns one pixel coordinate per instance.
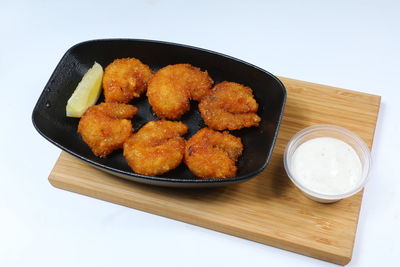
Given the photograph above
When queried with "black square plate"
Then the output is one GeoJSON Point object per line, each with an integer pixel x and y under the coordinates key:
{"type": "Point", "coordinates": [51, 122]}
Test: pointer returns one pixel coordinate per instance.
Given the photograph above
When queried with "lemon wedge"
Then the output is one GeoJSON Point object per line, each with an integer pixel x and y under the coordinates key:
{"type": "Point", "coordinates": [86, 93]}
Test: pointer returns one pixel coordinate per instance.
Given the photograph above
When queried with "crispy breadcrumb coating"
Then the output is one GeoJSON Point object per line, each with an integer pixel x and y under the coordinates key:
{"type": "Point", "coordinates": [105, 127]}
{"type": "Point", "coordinates": [172, 87]}
{"type": "Point", "coordinates": [229, 106]}
{"type": "Point", "coordinates": [212, 154]}
{"type": "Point", "coordinates": [156, 148]}
{"type": "Point", "coordinates": [125, 79]}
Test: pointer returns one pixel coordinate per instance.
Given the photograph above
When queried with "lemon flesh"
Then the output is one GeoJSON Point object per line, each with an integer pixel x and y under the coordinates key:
{"type": "Point", "coordinates": [86, 93]}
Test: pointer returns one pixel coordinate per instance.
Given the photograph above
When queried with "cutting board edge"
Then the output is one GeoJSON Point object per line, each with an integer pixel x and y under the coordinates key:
{"type": "Point", "coordinates": [202, 222]}
{"type": "Point", "coordinates": [284, 80]}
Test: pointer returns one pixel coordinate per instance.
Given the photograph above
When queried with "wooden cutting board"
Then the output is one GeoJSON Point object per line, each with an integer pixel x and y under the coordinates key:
{"type": "Point", "coordinates": [268, 209]}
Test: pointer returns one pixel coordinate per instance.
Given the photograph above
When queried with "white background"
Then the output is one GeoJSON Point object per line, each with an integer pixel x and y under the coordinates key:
{"type": "Point", "coordinates": [348, 44]}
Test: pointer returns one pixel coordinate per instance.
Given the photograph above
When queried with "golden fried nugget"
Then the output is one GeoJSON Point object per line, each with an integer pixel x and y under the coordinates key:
{"type": "Point", "coordinates": [229, 106]}
{"type": "Point", "coordinates": [105, 127]}
{"type": "Point", "coordinates": [172, 87]}
{"type": "Point", "coordinates": [156, 148]}
{"type": "Point", "coordinates": [125, 79]}
{"type": "Point", "coordinates": [211, 154]}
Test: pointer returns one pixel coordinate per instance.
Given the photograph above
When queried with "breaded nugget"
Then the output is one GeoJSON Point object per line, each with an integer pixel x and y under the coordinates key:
{"type": "Point", "coordinates": [125, 79]}
{"type": "Point", "coordinates": [211, 154]}
{"type": "Point", "coordinates": [156, 148]}
{"type": "Point", "coordinates": [106, 126]}
{"type": "Point", "coordinates": [229, 106]}
{"type": "Point", "coordinates": [172, 87]}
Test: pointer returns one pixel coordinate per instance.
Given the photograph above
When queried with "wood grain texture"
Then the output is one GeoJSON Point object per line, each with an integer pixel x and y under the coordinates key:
{"type": "Point", "coordinates": [268, 209]}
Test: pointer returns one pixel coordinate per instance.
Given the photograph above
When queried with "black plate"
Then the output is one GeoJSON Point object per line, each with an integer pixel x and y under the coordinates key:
{"type": "Point", "coordinates": [50, 121]}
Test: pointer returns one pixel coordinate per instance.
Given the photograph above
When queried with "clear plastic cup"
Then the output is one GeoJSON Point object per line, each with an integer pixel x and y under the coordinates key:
{"type": "Point", "coordinates": [326, 130]}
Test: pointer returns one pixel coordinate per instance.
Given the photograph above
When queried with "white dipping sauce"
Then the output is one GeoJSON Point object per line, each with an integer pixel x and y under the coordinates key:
{"type": "Point", "coordinates": [326, 165]}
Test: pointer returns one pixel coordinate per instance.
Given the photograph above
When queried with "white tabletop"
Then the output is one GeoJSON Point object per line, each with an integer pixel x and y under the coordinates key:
{"type": "Point", "coordinates": [348, 44]}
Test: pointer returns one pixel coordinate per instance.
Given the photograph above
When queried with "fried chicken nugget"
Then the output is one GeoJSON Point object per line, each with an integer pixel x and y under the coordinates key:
{"type": "Point", "coordinates": [172, 87]}
{"type": "Point", "coordinates": [156, 148]}
{"type": "Point", "coordinates": [229, 106]}
{"type": "Point", "coordinates": [105, 127]}
{"type": "Point", "coordinates": [212, 154]}
{"type": "Point", "coordinates": [125, 79]}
